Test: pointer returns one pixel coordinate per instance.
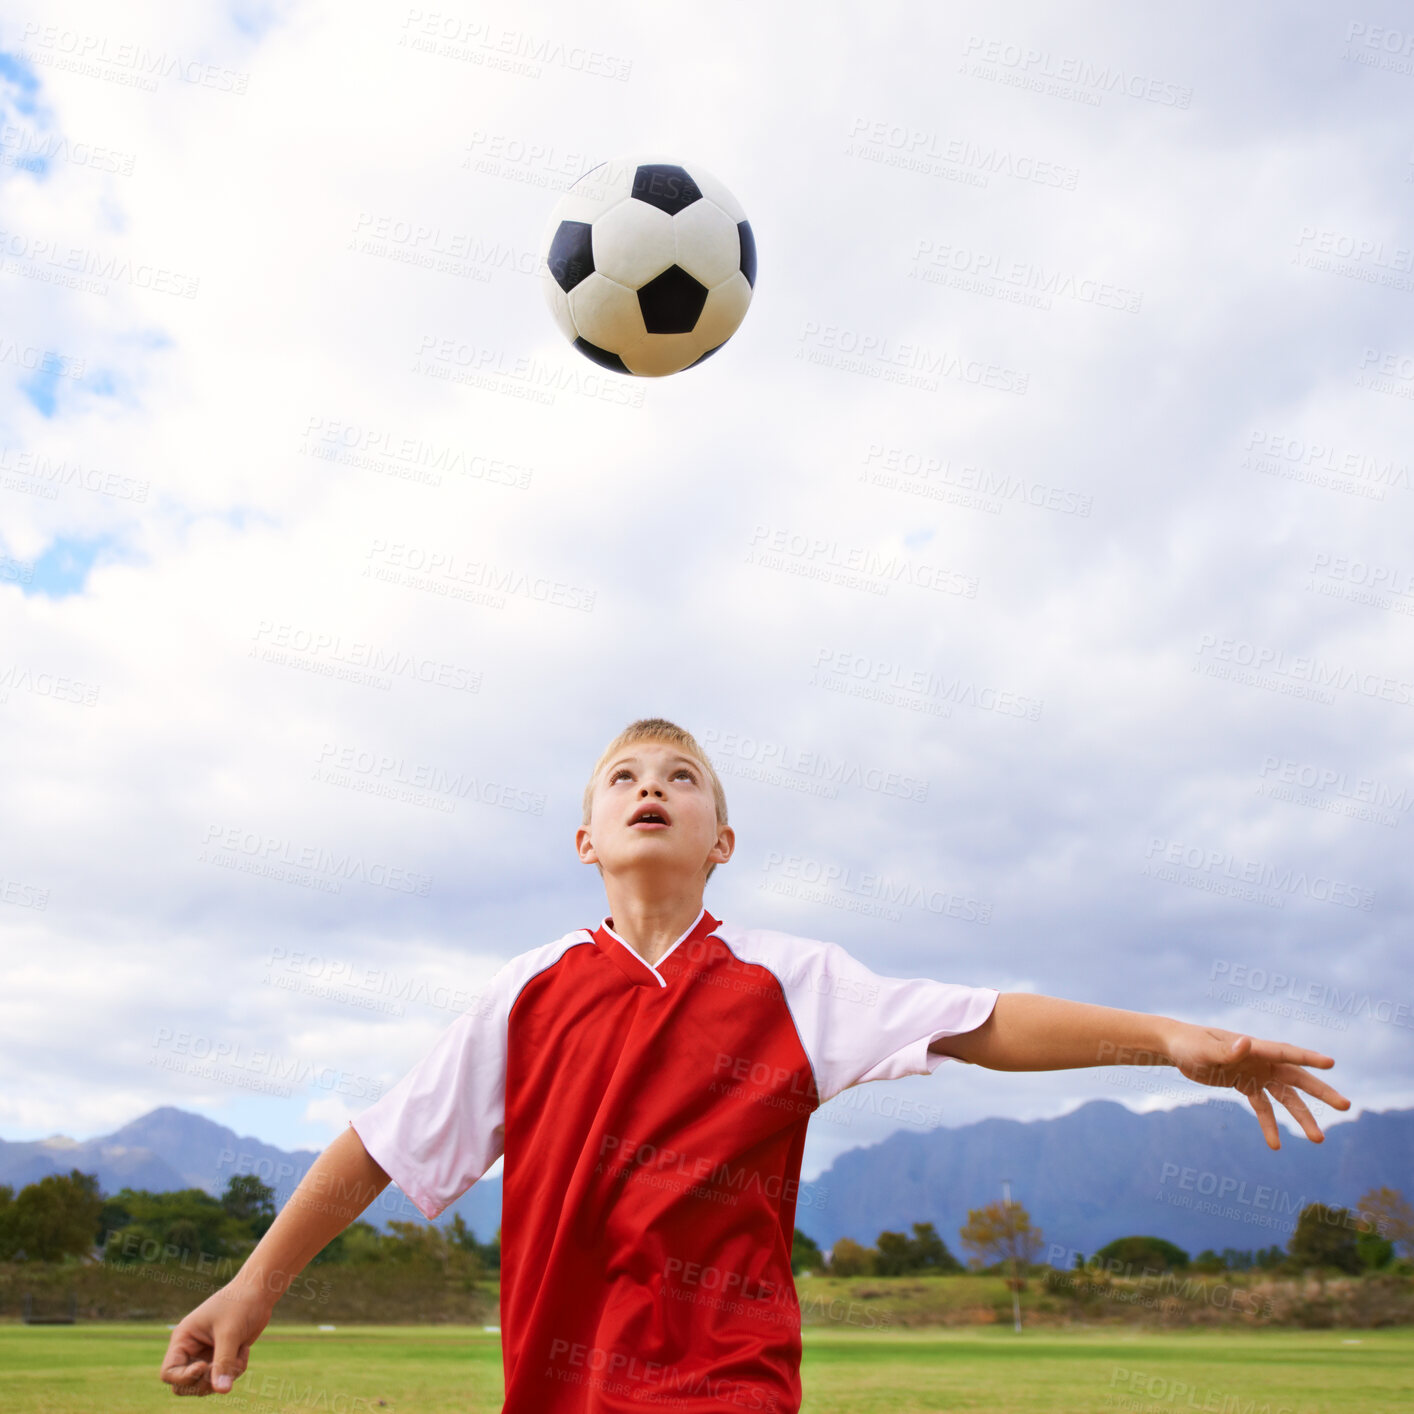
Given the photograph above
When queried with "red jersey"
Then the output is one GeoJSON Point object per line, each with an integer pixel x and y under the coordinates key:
{"type": "Point", "coordinates": [652, 1120]}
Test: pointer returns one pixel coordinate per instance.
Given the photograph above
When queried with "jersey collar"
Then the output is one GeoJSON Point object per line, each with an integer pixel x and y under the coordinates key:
{"type": "Point", "coordinates": [632, 963]}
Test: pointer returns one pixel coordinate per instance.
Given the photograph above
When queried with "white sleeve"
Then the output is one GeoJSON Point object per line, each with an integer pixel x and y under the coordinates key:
{"type": "Point", "coordinates": [856, 1025]}
{"type": "Point", "coordinates": [443, 1124]}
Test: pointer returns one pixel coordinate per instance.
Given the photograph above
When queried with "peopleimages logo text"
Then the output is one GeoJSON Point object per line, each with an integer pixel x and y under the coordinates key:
{"type": "Point", "coordinates": [1258, 873]}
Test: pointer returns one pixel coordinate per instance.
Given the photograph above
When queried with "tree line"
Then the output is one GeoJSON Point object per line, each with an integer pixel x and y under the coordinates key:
{"type": "Point", "coordinates": [1377, 1234]}
{"type": "Point", "coordinates": [67, 1216]}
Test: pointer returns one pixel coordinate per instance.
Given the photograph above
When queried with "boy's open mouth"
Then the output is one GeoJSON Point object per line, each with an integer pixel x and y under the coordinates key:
{"type": "Point", "coordinates": [650, 817]}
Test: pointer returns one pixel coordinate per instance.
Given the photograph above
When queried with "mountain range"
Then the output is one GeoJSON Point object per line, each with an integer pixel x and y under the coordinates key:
{"type": "Point", "coordinates": [1200, 1175]}
{"type": "Point", "coordinates": [169, 1148]}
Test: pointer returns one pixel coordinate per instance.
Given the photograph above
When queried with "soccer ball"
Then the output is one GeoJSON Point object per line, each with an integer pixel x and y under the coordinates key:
{"type": "Point", "coordinates": [649, 265]}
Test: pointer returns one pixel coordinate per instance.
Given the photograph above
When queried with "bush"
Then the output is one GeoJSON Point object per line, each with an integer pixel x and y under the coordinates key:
{"type": "Point", "coordinates": [1374, 1251]}
{"type": "Point", "coordinates": [849, 1259]}
{"type": "Point", "coordinates": [805, 1254]}
{"type": "Point", "coordinates": [1325, 1237]}
{"type": "Point", "coordinates": [1135, 1255]}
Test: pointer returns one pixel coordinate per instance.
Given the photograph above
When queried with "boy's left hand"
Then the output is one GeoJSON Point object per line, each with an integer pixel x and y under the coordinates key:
{"type": "Point", "coordinates": [1257, 1069]}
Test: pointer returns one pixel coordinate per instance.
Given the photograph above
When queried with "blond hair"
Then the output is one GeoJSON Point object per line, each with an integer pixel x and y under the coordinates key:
{"type": "Point", "coordinates": [656, 729]}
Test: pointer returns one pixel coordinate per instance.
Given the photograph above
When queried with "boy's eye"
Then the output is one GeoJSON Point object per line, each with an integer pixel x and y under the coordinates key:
{"type": "Point", "coordinates": [624, 771]}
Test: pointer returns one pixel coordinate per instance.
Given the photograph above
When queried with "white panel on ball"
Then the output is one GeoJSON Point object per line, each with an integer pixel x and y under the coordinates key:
{"type": "Point", "coordinates": [633, 242]}
{"type": "Point", "coordinates": [592, 194]}
{"type": "Point", "coordinates": [707, 243]}
{"type": "Point", "coordinates": [724, 310]}
{"type": "Point", "coordinates": [716, 193]}
{"type": "Point", "coordinates": [656, 355]}
{"type": "Point", "coordinates": [605, 312]}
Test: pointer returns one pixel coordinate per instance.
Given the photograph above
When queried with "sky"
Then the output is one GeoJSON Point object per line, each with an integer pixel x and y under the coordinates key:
{"type": "Point", "coordinates": [1034, 563]}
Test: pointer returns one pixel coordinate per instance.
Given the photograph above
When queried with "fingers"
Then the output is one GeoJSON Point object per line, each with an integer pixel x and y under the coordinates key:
{"type": "Point", "coordinates": [1297, 1106]}
{"type": "Point", "coordinates": [1257, 1098]}
{"type": "Point", "coordinates": [187, 1360]}
{"type": "Point", "coordinates": [184, 1374]}
{"type": "Point", "coordinates": [193, 1379]}
{"type": "Point", "coordinates": [1294, 1075]}
{"type": "Point", "coordinates": [189, 1379]}
{"type": "Point", "coordinates": [230, 1361]}
{"type": "Point", "coordinates": [1291, 1055]}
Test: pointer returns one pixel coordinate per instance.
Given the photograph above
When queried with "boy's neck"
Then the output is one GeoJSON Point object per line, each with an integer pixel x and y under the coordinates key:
{"type": "Point", "coordinates": [651, 925]}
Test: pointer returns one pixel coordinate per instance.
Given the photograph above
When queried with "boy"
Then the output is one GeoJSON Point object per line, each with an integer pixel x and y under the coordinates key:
{"type": "Point", "coordinates": [649, 1082]}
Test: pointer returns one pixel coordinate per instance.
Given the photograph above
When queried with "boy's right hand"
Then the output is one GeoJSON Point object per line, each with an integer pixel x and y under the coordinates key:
{"type": "Point", "coordinates": [211, 1345]}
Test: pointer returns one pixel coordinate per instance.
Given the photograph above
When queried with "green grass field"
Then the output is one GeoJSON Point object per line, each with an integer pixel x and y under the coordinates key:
{"type": "Point", "coordinates": [112, 1369]}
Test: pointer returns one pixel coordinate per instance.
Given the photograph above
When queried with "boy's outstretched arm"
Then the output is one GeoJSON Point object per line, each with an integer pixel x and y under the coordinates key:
{"type": "Point", "coordinates": [211, 1345]}
{"type": "Point", "coordinates": [1030, 1032]}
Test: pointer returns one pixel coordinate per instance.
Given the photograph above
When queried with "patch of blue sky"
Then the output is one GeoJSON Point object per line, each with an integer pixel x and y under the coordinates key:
{"type": "Point", "coordinates": [104, 384]}
{"type": "Point", "coordinates": [240, 518]}
{"type": "Point", "coordinates": [41, 388]}
{"type": "Point", "coordinates": [64, 567]}
{"type": "Point", "coordinates": [255, 18]}
{"type": "Point", "coordinates": [31, 162]}
{"type": "Point", "coordinates": [19, 94]}
{"type": "Point", "coordinates": [116, 381]}
{"type": "Point", "coordinates": [21, 86]}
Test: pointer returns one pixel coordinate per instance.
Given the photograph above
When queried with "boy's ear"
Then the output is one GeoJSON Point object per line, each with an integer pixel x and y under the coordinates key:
{"type": "Point", "coordinates": [584, 846]}
{"type": "Point", "coordinates": [725, 846]}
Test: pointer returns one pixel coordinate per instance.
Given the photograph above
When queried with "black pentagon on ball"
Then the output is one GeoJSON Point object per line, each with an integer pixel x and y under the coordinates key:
{"type": "Point", "coordinates": [666, 187]}
{"type": "Point", "coordinates": [571, 255]}
{"type": "Point", "coordinates": [748, 252]}
{"type": "Point", "coordinates": [671, 302]}
{"type": "Point", "coordinates": [601, 356]}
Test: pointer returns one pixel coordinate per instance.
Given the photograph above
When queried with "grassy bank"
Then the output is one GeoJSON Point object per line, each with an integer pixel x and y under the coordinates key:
{"type": "Point", "coordinates": [400, 1293]}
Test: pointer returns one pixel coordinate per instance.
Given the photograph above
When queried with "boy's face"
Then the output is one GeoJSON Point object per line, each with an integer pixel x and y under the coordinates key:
{"type": "Point", "coordinates": [656, 777]}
